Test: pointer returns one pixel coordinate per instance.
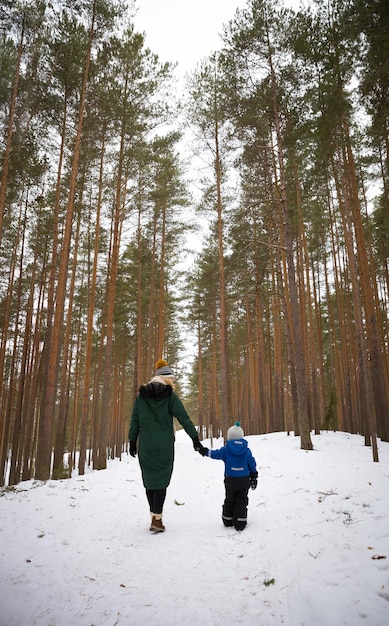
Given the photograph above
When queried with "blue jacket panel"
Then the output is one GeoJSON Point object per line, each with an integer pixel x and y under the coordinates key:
{"type": "Point", "coordinates": [237, 456]}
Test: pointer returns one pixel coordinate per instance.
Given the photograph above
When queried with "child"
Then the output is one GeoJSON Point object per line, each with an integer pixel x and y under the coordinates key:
{"type": "Point", "coordinates": [240, 473]}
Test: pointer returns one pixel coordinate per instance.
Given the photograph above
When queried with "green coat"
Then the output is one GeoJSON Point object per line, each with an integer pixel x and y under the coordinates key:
{"type": "Point", "coordinates": [152, 424]}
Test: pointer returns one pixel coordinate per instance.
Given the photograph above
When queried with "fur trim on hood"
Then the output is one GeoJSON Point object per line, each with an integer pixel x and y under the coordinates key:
{"type": "Point", "coordinates": [156, 389]}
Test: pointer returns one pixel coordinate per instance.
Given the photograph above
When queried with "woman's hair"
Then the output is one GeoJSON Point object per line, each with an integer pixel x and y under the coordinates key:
{"type": "Point", "coordinates": [170, 381]}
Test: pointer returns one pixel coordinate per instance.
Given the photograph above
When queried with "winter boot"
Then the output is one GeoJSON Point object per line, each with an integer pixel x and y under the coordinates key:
{"type": "Point", "coordinates": [240, 523]}
{"type": "Point", "coordinates": [156, 523]}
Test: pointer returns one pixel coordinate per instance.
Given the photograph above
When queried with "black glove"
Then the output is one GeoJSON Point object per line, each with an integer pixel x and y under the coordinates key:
{"type": "Point", "coordinates": [133, 448]}
{"type": "Point", "coordinates": [253, 480]}
{"type": "Point", "coordinates": [196, 444]}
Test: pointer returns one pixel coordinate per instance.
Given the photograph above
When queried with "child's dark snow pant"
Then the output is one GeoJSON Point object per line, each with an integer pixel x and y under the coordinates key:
{"type": "Point", "coordinates": [234, 511]}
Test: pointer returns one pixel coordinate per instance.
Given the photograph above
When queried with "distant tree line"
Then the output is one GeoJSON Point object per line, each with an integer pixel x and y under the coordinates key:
{"type": "Point", "coordinates": [287, 300]}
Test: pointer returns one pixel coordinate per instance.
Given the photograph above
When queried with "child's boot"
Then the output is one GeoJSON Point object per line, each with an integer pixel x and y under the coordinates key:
{"type": "Point", "coordinates": [240, 523]}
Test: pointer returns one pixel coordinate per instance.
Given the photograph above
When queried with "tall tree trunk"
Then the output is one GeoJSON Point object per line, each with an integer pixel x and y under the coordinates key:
{"type": "Point", "coordinates": [139, 365]}
{"type": "Point", "coordinates": [60, 435]}
{"type": "Point", "coordinates": [152, 350]}
{"type": "Point", "coordinates": [51, 295]}
{"type": "Point", "coordinates": [46, 421]}
{"type": "Point", "coordinates": [224, 361]}
{"type": "Point", "coordinates": [7, 390]}
{"type": "Point", "coordinates": [161, 297]}
{"type": "Point", "coordinates": [85, 404]}
{"type": "Point", "coordinates": [100, 461]}
{"type": "Point", "coordinates": [367, 277]}
{"type": "Point", "coordinates": [200, 381]}
{"type": "Point", "coordinates": [11, 417]}
{"type": "Point", "coordinates": [295, 327]}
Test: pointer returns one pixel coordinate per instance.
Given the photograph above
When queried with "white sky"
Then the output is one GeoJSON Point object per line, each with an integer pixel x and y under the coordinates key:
{"type": "Point", "coordinates": [186, 32]}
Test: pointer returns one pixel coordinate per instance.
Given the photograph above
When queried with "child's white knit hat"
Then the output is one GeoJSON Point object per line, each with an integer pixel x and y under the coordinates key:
{"type": "Point", "coordinates": [235, 432]}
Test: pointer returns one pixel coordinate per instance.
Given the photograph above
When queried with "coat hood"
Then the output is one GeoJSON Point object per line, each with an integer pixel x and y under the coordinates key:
{"type": "Point", "coordinates": [155, 390]}
{"type": "Point", "coordinates": [237, 446]}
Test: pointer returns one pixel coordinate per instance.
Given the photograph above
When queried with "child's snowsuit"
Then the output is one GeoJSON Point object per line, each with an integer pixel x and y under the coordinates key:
{"type": "Point", "coordinates": [240, 467]}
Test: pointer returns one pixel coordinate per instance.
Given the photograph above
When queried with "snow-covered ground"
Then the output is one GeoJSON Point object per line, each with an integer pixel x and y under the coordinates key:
{"type": "Point", "coordinates": [79, 552]}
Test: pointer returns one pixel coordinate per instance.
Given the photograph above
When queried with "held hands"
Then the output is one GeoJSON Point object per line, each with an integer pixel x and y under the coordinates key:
{"type": "Point", "coordinates": [253, 480]}
{"type": "Point", "coordinates": [133, 448]}
{"type": "Point", "coordinates": [199, 447]}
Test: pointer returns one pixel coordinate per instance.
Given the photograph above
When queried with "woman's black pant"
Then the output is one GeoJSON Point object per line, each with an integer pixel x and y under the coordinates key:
{"type": "Point", "coordinates": [156, 498]}
{"type": "Point", "coordinates": [235, 505]}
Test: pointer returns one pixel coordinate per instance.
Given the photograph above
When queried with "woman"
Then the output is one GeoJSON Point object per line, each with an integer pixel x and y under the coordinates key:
{"type": "Point", "coordinates": [152, 434]}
